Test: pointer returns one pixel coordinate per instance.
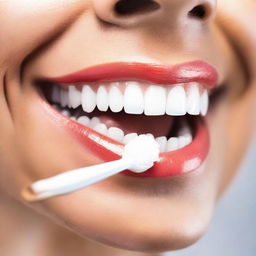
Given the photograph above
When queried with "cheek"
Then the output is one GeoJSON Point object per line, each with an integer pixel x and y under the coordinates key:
{"type": "Point", "coordinates": [35, 23]}
{"type": "Point", "coordinates": [241, 128]}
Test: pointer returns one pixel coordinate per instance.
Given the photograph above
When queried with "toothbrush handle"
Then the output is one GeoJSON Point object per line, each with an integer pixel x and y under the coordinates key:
{"type": "Point", "coordinates": [78, 179]}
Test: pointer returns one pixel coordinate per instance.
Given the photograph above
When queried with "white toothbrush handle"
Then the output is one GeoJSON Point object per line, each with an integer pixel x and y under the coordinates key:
{"type": "Point", "coordinates": [77, 179]}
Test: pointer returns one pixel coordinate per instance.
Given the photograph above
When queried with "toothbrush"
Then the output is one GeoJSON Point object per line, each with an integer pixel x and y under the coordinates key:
{"type": "Point", "coordinates": [139, 155]}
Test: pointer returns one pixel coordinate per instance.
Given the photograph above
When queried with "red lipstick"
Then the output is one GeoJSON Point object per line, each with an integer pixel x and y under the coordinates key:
{"type": "Point", "coordinates": [197, 71]}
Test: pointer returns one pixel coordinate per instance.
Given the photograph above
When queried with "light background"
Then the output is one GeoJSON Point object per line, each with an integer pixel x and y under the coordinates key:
{"type": "Point", "coordinates": [233, 229]}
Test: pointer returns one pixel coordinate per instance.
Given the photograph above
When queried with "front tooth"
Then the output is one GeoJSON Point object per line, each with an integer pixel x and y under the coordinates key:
{"type": "Point", "coordinates": [133, 99]}
{"type": "Point", "coordinates": [102, 99]}
{"type": "Point", "coordinates": [129, 137]}
{"type": "Point", "coordinates": [172, 144]}
{"type": "Point", "coordinates": [88, 99]}
{"type": "Point", "coordinates": [115, 133]}
{"type": "Point", "coordinates": [74, 96]}
{"type": "Point", "coordinates": [155, 101]}
{"type": "Point", "coordinates": [162, 141]}
{"type": "Point", "coordinates": [64, 97]}
{"type": "Point", "coordinates": [176, 101]}
{"type": "Point", "coordinates": [193, 99]}
{"type": "Point", "coordinates": [84, 120]}
{"type": "Point", "coordinates": [115, 99]}
{"type": "Point", "coordinates": [101, 128]}
{"type": "Point", "coordinates": [204, 102]}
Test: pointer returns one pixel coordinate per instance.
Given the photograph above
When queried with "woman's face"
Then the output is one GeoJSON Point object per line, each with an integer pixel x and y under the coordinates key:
{"type": "Point", "coordinates": [46, 39]}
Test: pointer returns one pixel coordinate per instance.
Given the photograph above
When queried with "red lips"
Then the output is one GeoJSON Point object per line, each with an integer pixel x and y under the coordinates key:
{"type": "Point", "coordinates": [197, 71]}
{"type": "Point", "coordinates": [172, 163]}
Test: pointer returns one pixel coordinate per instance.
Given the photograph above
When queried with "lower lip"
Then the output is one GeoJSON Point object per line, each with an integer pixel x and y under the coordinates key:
{"type": "Point", "coordinates": [171, 164]}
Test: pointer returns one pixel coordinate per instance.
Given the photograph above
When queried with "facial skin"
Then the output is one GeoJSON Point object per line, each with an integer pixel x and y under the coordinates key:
{"type": "Point", "coordinates": [57, 37]}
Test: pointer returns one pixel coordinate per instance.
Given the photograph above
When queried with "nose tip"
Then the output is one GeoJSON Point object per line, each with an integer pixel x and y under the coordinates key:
{"type": "Point", "coordinates": [137, 12]}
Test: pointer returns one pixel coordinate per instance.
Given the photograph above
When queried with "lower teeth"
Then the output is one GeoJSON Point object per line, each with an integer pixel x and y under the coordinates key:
{"type": "Point", "coordinates": [183, 138]}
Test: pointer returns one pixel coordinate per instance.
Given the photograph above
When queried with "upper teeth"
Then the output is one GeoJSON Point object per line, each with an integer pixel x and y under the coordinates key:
{"type": "Point", "coordinates": [152, 100]}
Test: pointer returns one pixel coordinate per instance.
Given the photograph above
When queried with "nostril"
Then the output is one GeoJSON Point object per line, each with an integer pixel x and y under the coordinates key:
{"type": "Point", "coordinates": [129, 7]}
{"type": "Point", "coordinates": [199, 12]}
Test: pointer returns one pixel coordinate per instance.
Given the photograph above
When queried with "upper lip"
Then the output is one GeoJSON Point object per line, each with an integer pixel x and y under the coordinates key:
{"type": "Point", "coordinates": [196, 71]}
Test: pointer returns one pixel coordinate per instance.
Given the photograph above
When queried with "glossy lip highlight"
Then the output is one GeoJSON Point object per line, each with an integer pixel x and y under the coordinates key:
{"type": "Point", "coordinates": [171, 163]}
{"type": "Point", "coordinates": [196, 71]}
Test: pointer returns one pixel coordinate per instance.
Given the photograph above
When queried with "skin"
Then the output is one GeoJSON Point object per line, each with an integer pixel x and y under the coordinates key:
{"type": "Point", "coordinates": [138, 217]}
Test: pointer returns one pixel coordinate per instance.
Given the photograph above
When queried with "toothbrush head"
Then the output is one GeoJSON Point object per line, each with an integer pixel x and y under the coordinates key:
{"type": "Point", "coordinates": [142, 152]}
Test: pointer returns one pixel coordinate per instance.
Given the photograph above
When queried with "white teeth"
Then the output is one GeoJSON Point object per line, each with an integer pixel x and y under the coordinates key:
{"type": "Point", "coordinates": [63, 98]}
{"type": "Point", "coordinates": [115, 99]}
{"type": "Point", "coordinates": [74, 96]}
{"type": "Point", "coordinates": [162, 141]}
{"type": "Point", "coordinates": [102, 99]}
{"type": "Point", "coordinates": [176, 101]}
{"type": "Point", "coordinates": [155, 101]}
{"type": "Point", "coordinates": [84, 120]}
{"type": "Point", "coordinates": [188, 139]}
{"type": "Point", "coordinates": [193, 100]}
{"type": "Point", "coordinates": [182, 142]}
{"type": "Point", "coordinates": [88, 99]}
{"type": "Point", "coordinates": [204, 102]}
{"type": "Point", "coordinates": [94, 121]}
{"type": "Point", "coordinates": [133, 99]}
{"type": "Point", "coordinates": [101, 128]}
{"type": "Point", "coordinates": [172, 144]}
{"type": "Point", "coordinates": [115, 134]}
{"type": "Point", "coordinates": [129, 137]}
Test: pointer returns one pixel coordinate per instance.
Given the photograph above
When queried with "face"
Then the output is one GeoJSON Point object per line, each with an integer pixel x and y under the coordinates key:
{"type": "Point", "coordinates": [71, 70]}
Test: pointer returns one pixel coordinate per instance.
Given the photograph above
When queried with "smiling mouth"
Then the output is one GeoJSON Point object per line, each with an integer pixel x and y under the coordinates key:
{"type": "Point", "coordinates": [113, 103]}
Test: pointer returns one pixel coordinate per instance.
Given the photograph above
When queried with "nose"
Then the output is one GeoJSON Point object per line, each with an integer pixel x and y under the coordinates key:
{"type": "Point", "coordinates": [127, 13]}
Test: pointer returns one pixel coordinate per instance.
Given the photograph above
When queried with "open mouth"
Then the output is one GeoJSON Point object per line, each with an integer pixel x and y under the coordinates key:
{"type": "Point", "coordinates": [109, 105]}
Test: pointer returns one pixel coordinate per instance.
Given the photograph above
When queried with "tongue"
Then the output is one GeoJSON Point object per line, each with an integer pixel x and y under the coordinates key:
{"type": "Point", "coordinates": [141, 124]}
